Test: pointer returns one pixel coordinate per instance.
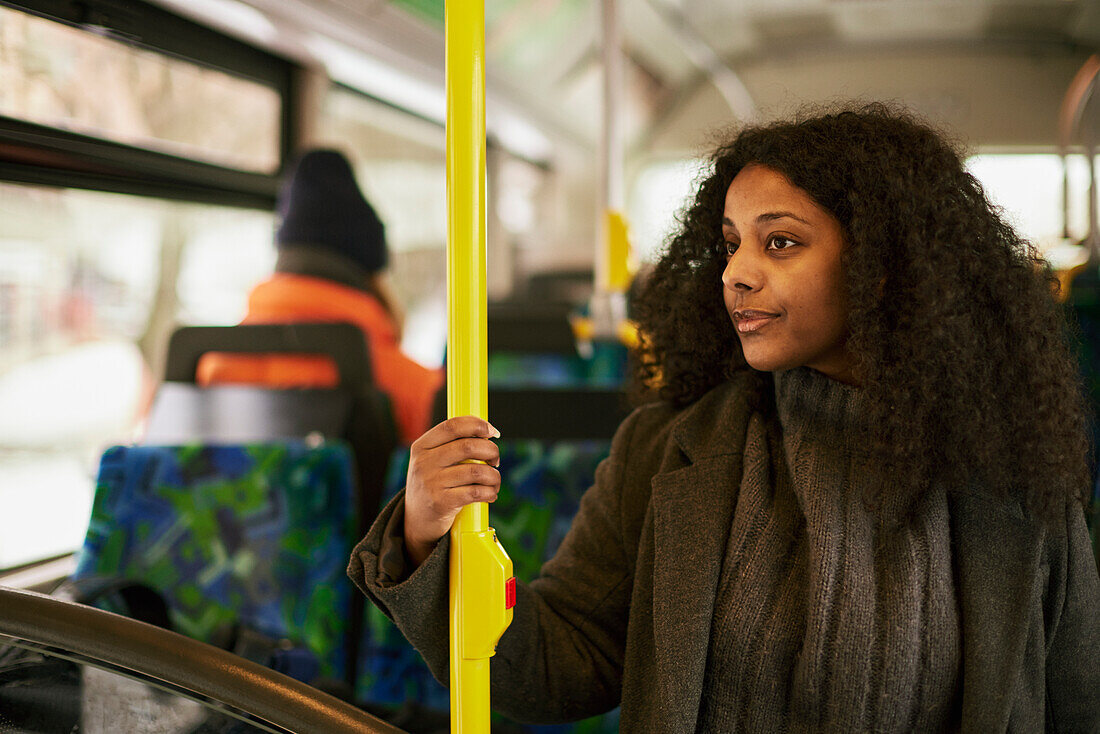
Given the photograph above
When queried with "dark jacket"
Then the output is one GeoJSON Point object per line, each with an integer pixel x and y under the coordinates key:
{"type": "Point", "coordinates": [623, 611]}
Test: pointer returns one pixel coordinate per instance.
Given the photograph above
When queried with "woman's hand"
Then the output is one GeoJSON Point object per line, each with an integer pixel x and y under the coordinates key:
{"type": "Point", "coordinates": [440, 483]}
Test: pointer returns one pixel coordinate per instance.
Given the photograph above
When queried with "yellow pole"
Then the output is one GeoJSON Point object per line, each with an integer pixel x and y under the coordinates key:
{"type": "Point", "coordinates": [615, 251]}
{"type": "Point", "coordinates": [481, 588]}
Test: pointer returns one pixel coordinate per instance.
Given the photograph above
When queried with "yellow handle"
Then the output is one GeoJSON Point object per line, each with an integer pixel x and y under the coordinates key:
{"type": "Point", "coordinates": [616, 253]}
{"type": "Point", "coordinates": [481, 572]}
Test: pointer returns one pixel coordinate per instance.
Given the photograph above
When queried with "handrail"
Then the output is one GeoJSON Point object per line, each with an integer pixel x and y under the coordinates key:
{"type": "Point", "coordinates": [180, 661]}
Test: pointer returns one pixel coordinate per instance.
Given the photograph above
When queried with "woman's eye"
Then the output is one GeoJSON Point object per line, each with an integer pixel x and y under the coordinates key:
{"type": "Point", "coordinates": [731, 247]}
{"type": "Point", "coordinates": [781, 243]}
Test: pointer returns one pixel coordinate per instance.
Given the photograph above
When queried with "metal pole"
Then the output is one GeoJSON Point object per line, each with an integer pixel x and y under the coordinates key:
{"type": "Point", "coordinates": [611, 198]}
{"type": "Point", "coordinates": [607, 308]}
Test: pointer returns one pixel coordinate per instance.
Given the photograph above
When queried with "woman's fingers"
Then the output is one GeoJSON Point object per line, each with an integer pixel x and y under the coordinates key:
{"type": "Point", "coordinates": [430, 510]}
{"type": "Point", "coordinates": [447, 503]}
{"type": "Point", "coordinates": [464, 426]}
{"type": "Point", "coordinates": [426, 466]}
{"type": "Point", "coordinates": [463, 449]}
{"type": "Point", "coordinates": [462, 475]}
{"type": "Point", "coordinates": [454, 441]}
{"type": "Point", "coordinates": [452, 488]}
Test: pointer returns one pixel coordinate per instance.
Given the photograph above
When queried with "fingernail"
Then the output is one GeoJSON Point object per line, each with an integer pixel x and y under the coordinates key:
{"type": "Point", "coordinates": [494, 432]}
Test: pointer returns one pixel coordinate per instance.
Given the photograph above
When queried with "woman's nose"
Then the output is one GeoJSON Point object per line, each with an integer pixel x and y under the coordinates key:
{"type": "Point", "coordinates": [741, 274]}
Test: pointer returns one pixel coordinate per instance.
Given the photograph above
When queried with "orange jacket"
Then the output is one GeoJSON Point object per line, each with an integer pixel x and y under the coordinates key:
{"type": "Point", "coordinates": [287, 298]}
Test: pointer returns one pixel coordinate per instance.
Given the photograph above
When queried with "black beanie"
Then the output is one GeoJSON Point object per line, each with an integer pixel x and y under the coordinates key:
{"type": "Point", "coordinates": [321, 206]}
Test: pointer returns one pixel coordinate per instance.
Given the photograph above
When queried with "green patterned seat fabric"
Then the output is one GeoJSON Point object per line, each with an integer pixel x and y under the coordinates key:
{"type": "Point", "coordinates": [250, 535]}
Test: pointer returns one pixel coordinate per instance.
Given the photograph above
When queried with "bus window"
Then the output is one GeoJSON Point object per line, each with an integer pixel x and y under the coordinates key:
{"type": "Point", "coordinates": [1028, 187]}
{"type": "Point", "coordinates": [660, 191]}
{"type": "Point", "coordinates": [227, 252]}
{"type": "Point", "coordinates": [88, 297]}
{"type": "Point", "coordinates": [70, 79]}
{"type": "Point", "coordinates": [188, 128]}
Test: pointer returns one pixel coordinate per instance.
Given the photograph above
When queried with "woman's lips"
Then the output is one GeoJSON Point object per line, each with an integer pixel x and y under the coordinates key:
{"type": "Point", "coordinates": [748, 320]}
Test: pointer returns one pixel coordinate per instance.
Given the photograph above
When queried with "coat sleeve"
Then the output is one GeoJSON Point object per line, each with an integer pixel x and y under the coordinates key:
{"type": "Point", "coordinates": [562, 657]}
{"type": "Point", "coordinates": [1073, 655]}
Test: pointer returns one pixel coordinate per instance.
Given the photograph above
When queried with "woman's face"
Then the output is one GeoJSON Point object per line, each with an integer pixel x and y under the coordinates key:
{"type": "Point", "coordinates": [784, 281]}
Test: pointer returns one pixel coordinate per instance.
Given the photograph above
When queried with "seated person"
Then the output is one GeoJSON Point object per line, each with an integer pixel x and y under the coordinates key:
{"type": "Point", "coordinates": [331, 267]}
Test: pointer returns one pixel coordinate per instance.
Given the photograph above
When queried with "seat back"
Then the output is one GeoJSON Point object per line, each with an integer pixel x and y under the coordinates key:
{"type": "Point", "coordinates": [185, 412]}
{"type": "Point", "coordinates": [250, 536]}
{"type": "Point", "coordinates": [532, 345]}
{"type": "Point", "coordinates": [574, 414]}
{"type": "Point", "coordinates": [343, 343]}
{"type": "Point", "coordinates": [550, 414]}
{"type": "Point", "coordinates": [355, 410]}
{"type": "Point", "coordinates": [525, 326]}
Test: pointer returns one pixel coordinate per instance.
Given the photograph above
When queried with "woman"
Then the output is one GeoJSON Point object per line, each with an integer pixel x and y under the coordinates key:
{"type": "Point", "coordinates": [856, 502]}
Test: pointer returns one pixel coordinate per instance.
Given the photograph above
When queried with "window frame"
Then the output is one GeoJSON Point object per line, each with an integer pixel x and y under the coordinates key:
{"type": "Point", "coordinates": [37, 154]}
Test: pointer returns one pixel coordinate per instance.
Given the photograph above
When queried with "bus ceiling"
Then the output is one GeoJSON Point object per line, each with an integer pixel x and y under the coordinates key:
{"type": "Point", "coordinates": [693, 66]}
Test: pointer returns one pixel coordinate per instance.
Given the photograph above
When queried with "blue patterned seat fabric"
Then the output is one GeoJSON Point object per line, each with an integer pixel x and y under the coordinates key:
{"type": "Point", "coordinates": [541, 488]}
{"type": "Point", "coordinates": [250, 535]}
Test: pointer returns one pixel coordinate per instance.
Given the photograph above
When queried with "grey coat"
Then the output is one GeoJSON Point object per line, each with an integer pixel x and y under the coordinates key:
{"type": "Point", "coordinates": [622, 613]}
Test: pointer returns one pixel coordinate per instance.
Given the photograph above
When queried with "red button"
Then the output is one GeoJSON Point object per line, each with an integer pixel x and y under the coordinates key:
{"type": "Point", "coordinates": [510, 593]}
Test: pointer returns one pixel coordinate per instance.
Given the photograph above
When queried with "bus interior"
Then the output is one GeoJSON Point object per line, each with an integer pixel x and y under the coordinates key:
{"type": "Point", "coordinates": [142, 145]}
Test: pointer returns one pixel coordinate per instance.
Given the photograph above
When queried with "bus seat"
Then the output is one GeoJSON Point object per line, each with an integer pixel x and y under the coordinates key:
{"type": "Point", "coordinates": [252, 537]}
{"type": "Point", "coordinates": [533, 345]}
{"type": "Point", "coordinates": [529, 326]}
{"type": "Point", "coordinates": [354, 410]}
{"type": "Point", "coordinates": [550, 414]}
{"type": "Point", "coordinates": [343, 343]}
{"type": "Point", "coordinates": [572, 414]}
{"type": "Point", "coordinates": [184, 413]}
{"type": "Point", "coordinates": [541, 487]}
{"type": "Point", "coordinates": [565, 285]}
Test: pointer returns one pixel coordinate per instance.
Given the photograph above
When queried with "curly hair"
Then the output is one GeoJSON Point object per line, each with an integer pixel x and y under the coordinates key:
{"type": "Point", "coordinates": [957, 339]}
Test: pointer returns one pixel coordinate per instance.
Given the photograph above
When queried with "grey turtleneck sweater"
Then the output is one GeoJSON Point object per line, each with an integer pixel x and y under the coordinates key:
{"type": "Point", "coordinates": [830, 617]}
